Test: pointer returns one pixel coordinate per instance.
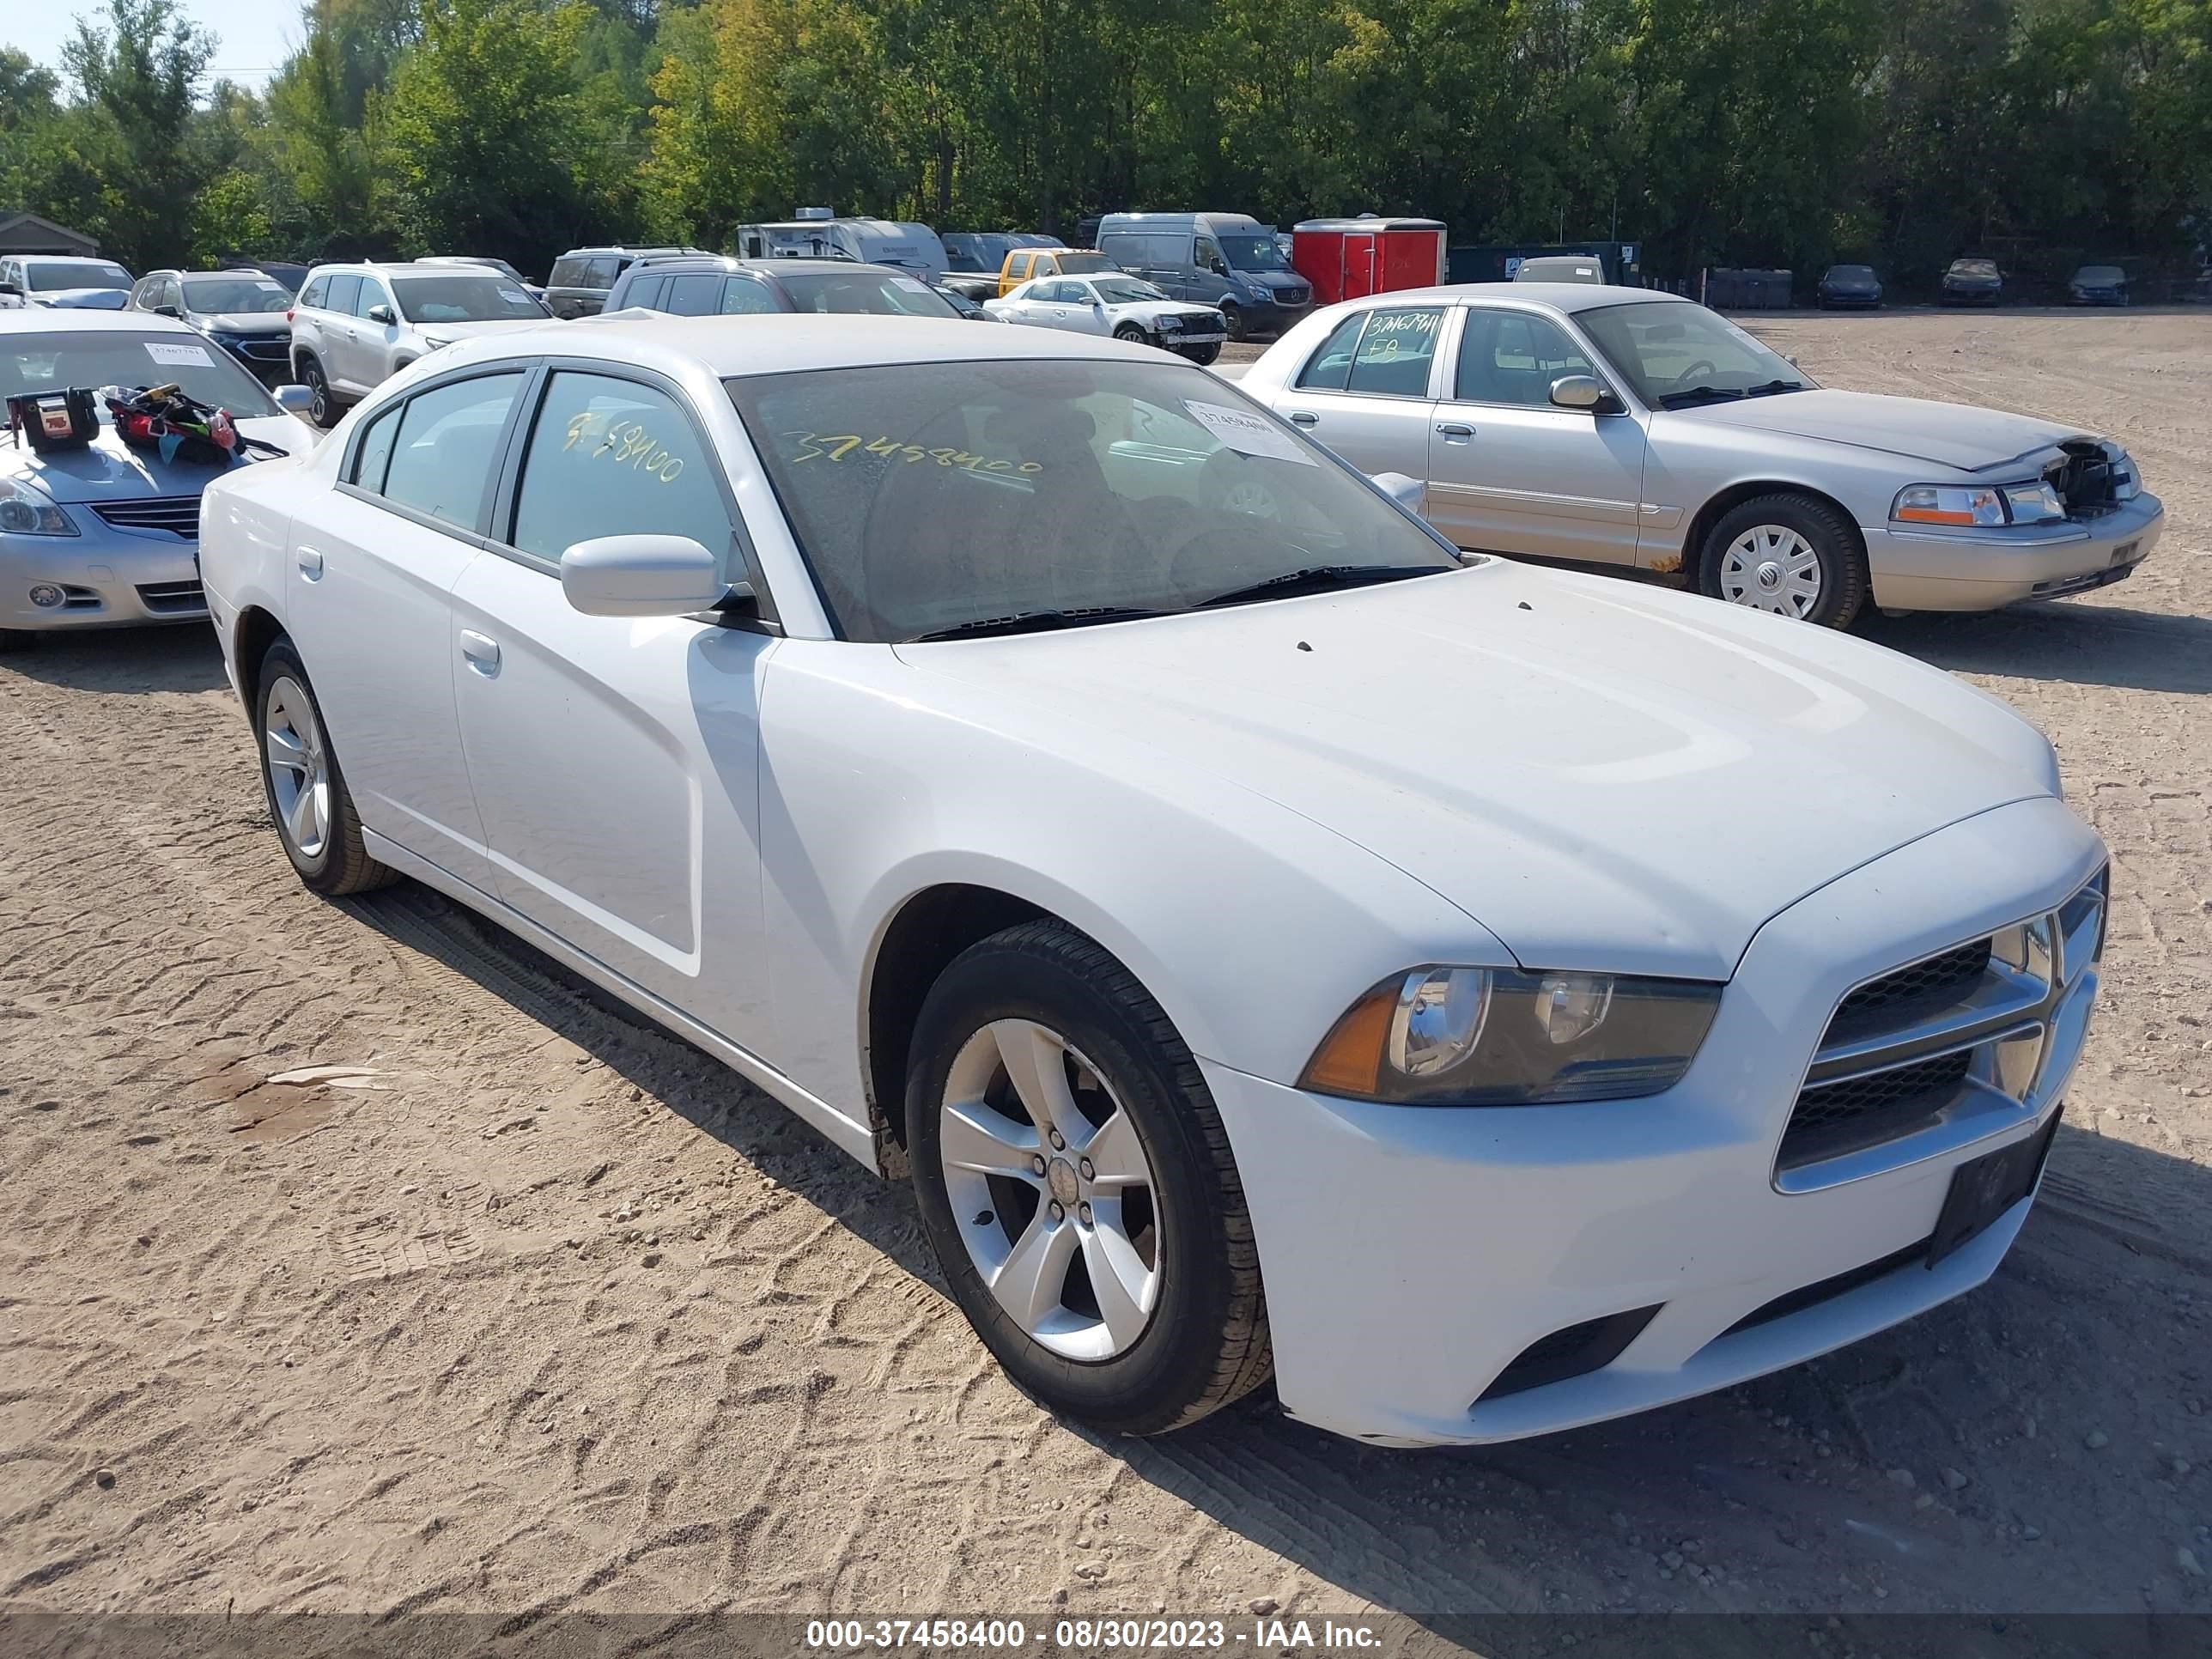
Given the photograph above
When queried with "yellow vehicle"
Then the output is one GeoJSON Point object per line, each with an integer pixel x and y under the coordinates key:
{"type": "Point", "coordinates": [1025, 263]}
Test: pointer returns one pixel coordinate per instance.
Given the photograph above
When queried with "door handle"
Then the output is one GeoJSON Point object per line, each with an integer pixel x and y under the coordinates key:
{"type": "Point", "coordinates": [310, 562]}
{"type": "Point", "coordinates": [482, 652]}
{"type": "Point", "coordinates": [1454, 432]}
{"type": "Point", "coordinates": [1304, 417]}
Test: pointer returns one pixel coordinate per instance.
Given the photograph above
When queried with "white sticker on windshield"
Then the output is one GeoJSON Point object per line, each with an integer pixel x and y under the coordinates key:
{"type": "Point", "coordinates": [178, 355]}
{"type": "Point", "coordinates": [910, 283]}
{"type": "Point", "coordinates": [1247, 434]}
{"type": "Point", "coordinates": [515, 296]}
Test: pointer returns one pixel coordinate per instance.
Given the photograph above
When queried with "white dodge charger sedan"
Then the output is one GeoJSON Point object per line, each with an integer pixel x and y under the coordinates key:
{"type": "Point", "coordinates": [1493, 999]}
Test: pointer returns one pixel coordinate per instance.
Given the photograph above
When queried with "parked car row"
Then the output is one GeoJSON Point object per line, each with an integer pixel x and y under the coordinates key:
{"type": "Point", "coordinates": [1967, 281]}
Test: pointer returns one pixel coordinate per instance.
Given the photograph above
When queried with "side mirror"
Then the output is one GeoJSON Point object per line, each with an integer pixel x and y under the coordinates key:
{"type": "Point", "coordinates": [381, 313]}
{"type": "Point", "coordinates": [295, 399]}
{"type": "Point", "coordinates": [16, 288]}
{"type": "Point", "coordinates": [1584, 393]}
{"type": "Point", "coordinates": [641, 576]}
{"type": "Point", "coordinates": [1399, 487]}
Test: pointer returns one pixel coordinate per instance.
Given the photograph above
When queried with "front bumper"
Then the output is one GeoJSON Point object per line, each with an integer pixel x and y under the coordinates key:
{"type": "Point", "coordinates": [108, 578]}
{"type": "Point", "coordinates": [1847, 301]}
{"type": "Point", "coordinates": [1272, 316]}
{"type": "Point", "coordinates": [1934, 569]}
{"type": "Point", "coordinates": [1410, 1255]}
{"type": "Point", "coordinates": [1970, 296]}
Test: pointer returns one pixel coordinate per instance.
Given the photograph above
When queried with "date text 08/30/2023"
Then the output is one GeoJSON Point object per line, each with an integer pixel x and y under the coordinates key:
{"type": "Point", "coordinates": [1088, 1635]}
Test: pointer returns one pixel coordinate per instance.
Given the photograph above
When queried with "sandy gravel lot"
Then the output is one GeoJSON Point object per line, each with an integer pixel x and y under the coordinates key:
{"type": "Point", "coordinates": [541, 1309]}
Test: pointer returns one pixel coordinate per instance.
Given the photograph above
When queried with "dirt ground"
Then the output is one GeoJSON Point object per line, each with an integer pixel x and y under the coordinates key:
{"type": "Point", "coordinates": [537, 1309]}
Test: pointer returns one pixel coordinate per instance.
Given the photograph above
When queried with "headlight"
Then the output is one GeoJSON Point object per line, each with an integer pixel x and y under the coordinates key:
{"type": "Point", "coordinates": [24, 512]}
{"type": "Point", "coordinates": [1497, 1036]}
{"type": "Point", "coordinates": [2126, 485]}
{"type": "Point", "coordinates": [1977, 504]}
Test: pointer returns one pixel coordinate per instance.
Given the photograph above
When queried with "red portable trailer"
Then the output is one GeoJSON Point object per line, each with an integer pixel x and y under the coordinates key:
{"type": "Point", "coordinates": [1344, 259]}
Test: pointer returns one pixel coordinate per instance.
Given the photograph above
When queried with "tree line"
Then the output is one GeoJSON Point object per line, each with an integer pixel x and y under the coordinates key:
{"type": "Point", "coordinates": [1763, 132]}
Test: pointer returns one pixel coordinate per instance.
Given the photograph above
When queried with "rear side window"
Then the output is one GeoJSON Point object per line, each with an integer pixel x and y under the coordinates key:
{"type": "Point", "coordinates": [611, 457]}
{"type": "Point", "coordinates": [697, 294]}
{"type": "Point", "coordinates": [1395, 353]}
{"type": "Point", "coordinates": [342, 291]}
{"type": "Point", "coordinates": [746, 297]}
{"type": "Point", "coordinates": [1327, 370]}
{"type": "Point", "coordinates": [568, 272]}
{"type": "Point", "coordinates": [448, 437]}
{"type": "Point", "coordinates": [648, 292]}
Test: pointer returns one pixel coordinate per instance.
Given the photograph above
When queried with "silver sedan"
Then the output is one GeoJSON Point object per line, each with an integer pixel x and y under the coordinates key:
{"type": "Point", "coordinates": [103, 534]}
{"type": "Point", "coordinates": [1622, 427]}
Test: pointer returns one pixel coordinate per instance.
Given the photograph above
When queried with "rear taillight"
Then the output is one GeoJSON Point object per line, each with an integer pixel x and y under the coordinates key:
{"type": "Point", "coordinates": [287, 316]}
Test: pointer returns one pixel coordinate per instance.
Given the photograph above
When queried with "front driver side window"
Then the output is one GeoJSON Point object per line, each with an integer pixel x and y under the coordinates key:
{"type": "Point", "coordinates": [1513, 357]}
{"type": "Point", "coordinates": [611, 457]}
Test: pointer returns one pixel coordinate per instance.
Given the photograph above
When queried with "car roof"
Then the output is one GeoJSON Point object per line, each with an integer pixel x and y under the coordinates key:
{"type": "Point", "coordinates": [43, 319]}
{"type": "Point", "coordinates": [1560, 296]}
{"type": "Point", "coordinates": [786, 342]}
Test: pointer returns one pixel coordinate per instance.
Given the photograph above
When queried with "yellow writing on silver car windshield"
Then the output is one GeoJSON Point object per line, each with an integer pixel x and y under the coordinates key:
{"type": "Point", "coordinates": [813, 446]}
{"type": "Point", "coordinates": [628, 442]}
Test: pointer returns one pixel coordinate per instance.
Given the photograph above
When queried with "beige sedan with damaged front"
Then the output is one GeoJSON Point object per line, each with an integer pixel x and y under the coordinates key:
{"type": "Point", "coordinates": [1624, 428]}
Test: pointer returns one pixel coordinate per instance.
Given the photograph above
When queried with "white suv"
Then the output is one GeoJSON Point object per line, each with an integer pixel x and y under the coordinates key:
{"type": "Point", "coordinates": [354, 326]}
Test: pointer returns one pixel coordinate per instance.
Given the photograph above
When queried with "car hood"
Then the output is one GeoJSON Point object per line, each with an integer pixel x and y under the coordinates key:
{"type": "Point", "coordinates": [1955, 435]}
{"type": "Point", "coordinates": [247, 322]}
{"type": "Point", "coordinates": [1607, 779]}
{"type": "Point", "coordinates": [84, 299]}
{"type": "Point", "coordinates": [108, 469]}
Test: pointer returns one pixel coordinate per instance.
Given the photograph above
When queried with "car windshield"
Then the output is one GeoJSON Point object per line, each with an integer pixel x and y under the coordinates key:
{"type": "Point", "coordinates": [991, 495]}
{"type": "Point", "coordinates": [1119, 290]}
{"type": "Point", "coordinates": [463, 298]}
{"type": "Point", "coordinates": [1253, 252]}
{"type": "Point", "coordinates": [1850, 273]}
{"type": "Point", "coordinates": [864, 293]}
{"type": "Point", "coordinates": [1674, 355]}
{"type": "Point", "coordinates": [234, 294]}
{"type": "Point", "coordinates": [58, 361]}
{"type": "Point", "coordinates": [2099, 273]}
{"type": "Point", "coordinates": [54, 275]}
{"type": "Point", "coordinates": [1974, 268]}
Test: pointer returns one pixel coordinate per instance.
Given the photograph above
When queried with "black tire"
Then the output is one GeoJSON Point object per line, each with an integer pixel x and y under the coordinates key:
{"type": "Point", "coordinates": [342, 863]}
{"type": "Point", "coordinates": [1201, 355]}
{"type": "Point", "coordinates": [17, 639]}
{"type": "Point", "coordinates": [324, 412]}
{"type": "Point", "coordinates": [1206, 1343]}
{"type": "Point", "coordinates": [1133, 334]}
{"type": "Point", "coordinates": [1833, 538]}
{"type": "Point", "coordinates": [1233, 315]}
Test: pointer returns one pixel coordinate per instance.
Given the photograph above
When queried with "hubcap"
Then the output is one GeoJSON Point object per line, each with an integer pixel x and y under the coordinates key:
{"type": "Point", "coordinates": [1771, 567]}
{"type": "Point", "coordinates": [1051, 1190]}
{"type": "Point", "coordinates": [299, 768]}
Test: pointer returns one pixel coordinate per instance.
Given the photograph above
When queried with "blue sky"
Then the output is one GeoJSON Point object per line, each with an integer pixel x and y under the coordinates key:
{"type": "Point", "coordinates": [257, 35]}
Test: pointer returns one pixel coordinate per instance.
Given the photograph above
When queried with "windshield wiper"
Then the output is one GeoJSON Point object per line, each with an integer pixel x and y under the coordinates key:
{"type": "Point", "coordinates": [1698, 394]}
{"type": "Point", "coordinates": [1039, 622]}
{"type": "Point", "coordinates": [1318, 577]}
{"type": "Point", "coordinates": [1774, 386]}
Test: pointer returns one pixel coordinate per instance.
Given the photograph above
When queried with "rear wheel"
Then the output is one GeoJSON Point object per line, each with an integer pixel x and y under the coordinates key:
{"type": "Point", "coordinates": [307, 792]}
{"type": "Point", "coordinates": [1076, 1183]}
{"type": "Point", "coordinates": [324, 409]}
{"type": "Point", "coordinates": [1791, 555]}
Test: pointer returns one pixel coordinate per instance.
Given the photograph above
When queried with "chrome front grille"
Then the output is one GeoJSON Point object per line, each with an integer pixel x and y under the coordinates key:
{"type": "Point", "coordinates": [178, 514]}
{"type": "Point", "coordinates": [1950, 1045]}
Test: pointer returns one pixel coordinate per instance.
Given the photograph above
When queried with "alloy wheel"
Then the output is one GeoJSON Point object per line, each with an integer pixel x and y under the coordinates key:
{"type": "Point", "coordinates": [299, 767]}
{"type": "Point", "coordinates": [1771, 567]}
{"type": "Point", "coordinates": [1052, 1189]}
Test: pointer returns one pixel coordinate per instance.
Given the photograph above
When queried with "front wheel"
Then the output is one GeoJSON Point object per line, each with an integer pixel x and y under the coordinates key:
{"type": "Point", "coordinates": [1132, 334]}
{"type": "Point", "coordinates": [308, 796]}
{"type": "Point", "coordinates": [1233, 315]}
{"type": "Point", "coordinates": [1202, 355]}
{"type": "Point", "coordinates": [1794, 555]}
{"type": "Point", "coordinates": [1076, 1185]}
{"type": "Point", "coordinates": [323, 410]}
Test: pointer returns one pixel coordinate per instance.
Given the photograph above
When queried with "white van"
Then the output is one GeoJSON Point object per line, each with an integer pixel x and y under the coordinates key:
{"type": "Point", "coordinates": [816, 235]}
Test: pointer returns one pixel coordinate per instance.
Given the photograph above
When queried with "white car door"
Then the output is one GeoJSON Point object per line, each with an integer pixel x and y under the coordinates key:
{"type": "Point", "coordinates": [615, 760]}
{"type": "Point", "coordinates": [373, 339]}
{"type": "Point", "coordinates": [368, 606]}
{"type": "Point", "coordinates": [1064, 303]}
